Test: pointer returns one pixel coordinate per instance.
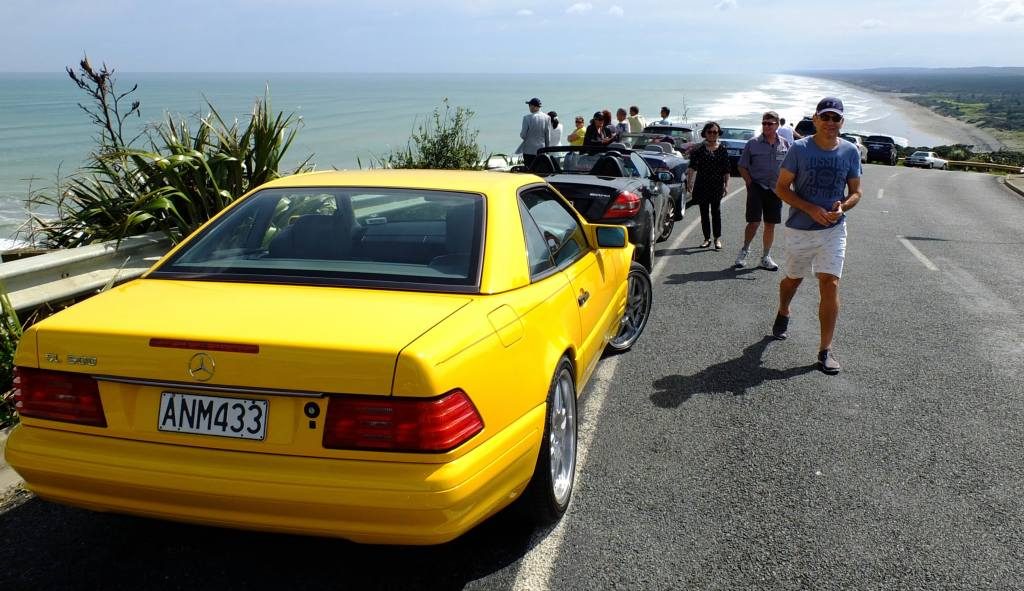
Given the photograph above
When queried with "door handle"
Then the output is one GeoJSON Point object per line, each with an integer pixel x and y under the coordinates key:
{"type": "Point", "coordinates": [583, 297]}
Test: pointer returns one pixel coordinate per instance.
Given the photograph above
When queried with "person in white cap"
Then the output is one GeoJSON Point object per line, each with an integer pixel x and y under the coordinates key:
{"type": "Point", "coordinates": [820, 180]}
{"type": "Point", "coordinates": [536, 132]}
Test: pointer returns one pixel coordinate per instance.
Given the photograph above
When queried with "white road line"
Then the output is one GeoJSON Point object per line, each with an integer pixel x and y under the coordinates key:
{"type": "Point", "coordinates": [917, 253]}
{"type": "Point", "coordinates": [880, 193]}
{"type": "Point", "coordinates": [538, 565]}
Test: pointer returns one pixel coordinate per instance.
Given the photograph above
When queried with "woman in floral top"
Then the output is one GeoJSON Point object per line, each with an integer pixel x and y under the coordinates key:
{"type": "Point", "coordinates": [707, 179]}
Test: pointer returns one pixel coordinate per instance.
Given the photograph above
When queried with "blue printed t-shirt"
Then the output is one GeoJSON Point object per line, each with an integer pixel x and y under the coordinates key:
{"type": "Point", "coordinates": [821, 177]}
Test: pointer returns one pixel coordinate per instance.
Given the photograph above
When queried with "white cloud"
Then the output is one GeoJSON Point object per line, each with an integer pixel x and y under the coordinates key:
{"type": "Point", "coordinates": [1001, 11]}
{"type": "Point", "coordinates": [616, 10]}
{"type": "Point", "coordinates": [871, 23]}
{"type": "Point", "coordinates": [524, 12]}
{"type": "Point", "coordinates": [579, 8]}
{"type": "Point", "coordinates": [725, 4]}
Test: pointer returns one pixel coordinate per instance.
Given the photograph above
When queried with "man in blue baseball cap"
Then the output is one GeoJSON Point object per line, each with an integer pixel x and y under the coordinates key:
{"type": "Point", "coordinates": [820, 180]}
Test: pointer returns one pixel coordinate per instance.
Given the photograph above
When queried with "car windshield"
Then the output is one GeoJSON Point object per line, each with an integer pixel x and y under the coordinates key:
{"type": "Point", "coordinates": [419, 239]}
{"type": "Point", "coordinates": [675, 133]}
{"type": "Point", "coordinates": [920, 155]}
{"type": "Point", "coordinates": [880, 139]}
{"type": "Point", "coordinates": [736, 133]}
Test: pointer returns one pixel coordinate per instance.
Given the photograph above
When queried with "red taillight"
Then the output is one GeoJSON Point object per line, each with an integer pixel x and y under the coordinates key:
{"type": "Point", "coordinates": [626, 205]}
{"type": "Point", "coordinates": [401, 424]}
{"type": "Point", "coordinates": [58, 396]}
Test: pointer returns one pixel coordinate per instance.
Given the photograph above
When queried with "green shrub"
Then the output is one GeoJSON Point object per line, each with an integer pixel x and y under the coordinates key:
{"type": "Point", "coordinates": [10, 333]}
{"type": "Point", "coordinates": [175, 185]}
{"type": "Point", "coordinates": [445, 141]}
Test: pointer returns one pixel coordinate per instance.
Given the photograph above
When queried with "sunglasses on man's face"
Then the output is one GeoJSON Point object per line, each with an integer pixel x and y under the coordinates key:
{"type": "Point", "coordinates": [833, 117]}
{"type": "Point", "coordinates": [769, 123]}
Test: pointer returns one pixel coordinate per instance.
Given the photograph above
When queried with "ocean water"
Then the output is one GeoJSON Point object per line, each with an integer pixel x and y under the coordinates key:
{"type": "Point", "coordinates": [346, 118]}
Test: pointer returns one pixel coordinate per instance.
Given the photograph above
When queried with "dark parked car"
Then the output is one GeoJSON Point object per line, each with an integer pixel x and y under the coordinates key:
{"type": "Point", "coordinates": [660, 155]}
{"type": "Point", "coordinates": [682, 135]}
{"type": "Point", "coordinates": [612, 185]}
{"type": "Point", "coordinates": [735, 138]}
{"type": "Point", "coordinates": [882, 148]}
{"type": "Point", "coordinates": [805, 127]}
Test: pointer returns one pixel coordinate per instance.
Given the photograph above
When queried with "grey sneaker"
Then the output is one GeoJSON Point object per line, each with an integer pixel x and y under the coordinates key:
{"type": "Point", "coordinates": [741, 259]}
{"type": "Point", "coordinates": [768, 263]}
{"type": "Point", "coordinates": [827, 362]}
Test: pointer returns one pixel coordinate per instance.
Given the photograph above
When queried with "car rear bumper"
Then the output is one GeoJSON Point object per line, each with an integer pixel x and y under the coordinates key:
{"type": "Point", "coordinates": [363, 501]}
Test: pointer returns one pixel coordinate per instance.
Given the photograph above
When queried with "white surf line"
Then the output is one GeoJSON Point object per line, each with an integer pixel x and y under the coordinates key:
{"type": "Point", "coordinates": [538, 565]}
{"type": "Point", "coordinates": [917, 253]}
{"type": "Point", "coordinates": [880, 193]}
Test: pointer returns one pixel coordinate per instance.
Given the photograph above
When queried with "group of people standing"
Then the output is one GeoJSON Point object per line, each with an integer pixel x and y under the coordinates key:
{"type": "Point", "coordinates": [540, 130]}
{"type": "Point", "coordinates": [818, 176]}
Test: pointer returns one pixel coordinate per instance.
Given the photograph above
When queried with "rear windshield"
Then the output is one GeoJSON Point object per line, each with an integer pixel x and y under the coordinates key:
{"type": "Point", "coordinates": [880, 139]}
{"type": "Point", "coordinates": [920, 155]}
{"type": "Point", "coordinates": [419, 239]}
{"type": "Point", "coordinates": [736, 133]}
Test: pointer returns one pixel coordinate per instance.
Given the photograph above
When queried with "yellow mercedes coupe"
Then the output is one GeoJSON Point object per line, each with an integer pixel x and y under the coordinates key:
{"type": "Point", "coordinates": [383, 356]}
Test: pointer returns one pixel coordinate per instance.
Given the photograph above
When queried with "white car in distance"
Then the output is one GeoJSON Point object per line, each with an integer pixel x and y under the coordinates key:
{"type": "Point", "coordinates": [926, 160]}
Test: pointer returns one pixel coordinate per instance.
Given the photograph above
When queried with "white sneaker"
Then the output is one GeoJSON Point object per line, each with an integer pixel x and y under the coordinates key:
{"type": "Point", "coordinates": [741, 259]}
{"type": "Point", "coordinates": [768, 263]}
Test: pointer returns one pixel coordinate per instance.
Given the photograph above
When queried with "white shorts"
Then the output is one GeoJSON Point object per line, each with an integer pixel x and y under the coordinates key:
{"type": "Point", "coordinates": [809, 252]}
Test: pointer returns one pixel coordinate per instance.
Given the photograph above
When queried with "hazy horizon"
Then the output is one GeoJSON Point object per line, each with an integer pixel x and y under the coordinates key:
{"type": "Point", "coordinates": [502, 36]}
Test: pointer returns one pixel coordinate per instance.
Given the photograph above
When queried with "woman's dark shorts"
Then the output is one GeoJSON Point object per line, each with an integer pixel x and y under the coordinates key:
{"type": "Point", "coordinates": [763, 203]}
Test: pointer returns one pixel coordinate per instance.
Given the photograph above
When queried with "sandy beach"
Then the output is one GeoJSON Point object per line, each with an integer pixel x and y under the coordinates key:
{"type": "Point", "coordinates": [933, 123]}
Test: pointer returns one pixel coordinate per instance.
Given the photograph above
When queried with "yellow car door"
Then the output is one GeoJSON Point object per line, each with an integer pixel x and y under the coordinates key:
{"type": "Point", "coordinates": [589, 271]}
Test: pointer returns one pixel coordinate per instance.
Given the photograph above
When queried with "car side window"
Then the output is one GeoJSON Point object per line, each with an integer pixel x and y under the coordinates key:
{"type": "Point", "coordinates": [559, 229]}
{"type": "Point", "coordinates": [537, 252]}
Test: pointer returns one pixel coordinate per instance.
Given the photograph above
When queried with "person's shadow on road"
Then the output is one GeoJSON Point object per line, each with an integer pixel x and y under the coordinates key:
{"type": "Point", "coordinates": [734, 377]}
{"type": "Point", "coordinates": [730, 273]}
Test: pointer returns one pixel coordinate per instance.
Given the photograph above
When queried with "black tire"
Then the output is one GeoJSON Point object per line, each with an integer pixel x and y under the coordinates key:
{"type": "Point", "coordinates": [944, 167]}
{"type": "Point", "coordinates": [547, 496]}
{"type": "Point", "coordinates": [892, 160]}
{"type": "Point", "coordinates": [645, 251]}
{"type": "Point", "coordinates": [639, 297]}
{"type": "Point", "coordinates": [670, 221]}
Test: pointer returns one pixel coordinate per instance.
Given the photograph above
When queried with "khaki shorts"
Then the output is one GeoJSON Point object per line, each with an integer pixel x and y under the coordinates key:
{"type": "Point", "coordinates": [809, 252]}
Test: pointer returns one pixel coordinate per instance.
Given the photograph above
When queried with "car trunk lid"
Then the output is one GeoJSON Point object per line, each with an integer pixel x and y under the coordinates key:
{"type": "Point", "coordinates": [161, 348]}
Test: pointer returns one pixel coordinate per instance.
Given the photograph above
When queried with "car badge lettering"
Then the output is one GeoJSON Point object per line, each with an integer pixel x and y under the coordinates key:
{"type": "Point", "coordinates": [201, 367]}
{"type": "Point", "coordinates": [81, 360]}
{"type": "Point", "coordinates": [52, 358]}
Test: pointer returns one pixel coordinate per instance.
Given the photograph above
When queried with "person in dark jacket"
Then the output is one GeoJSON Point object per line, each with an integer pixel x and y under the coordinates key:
{"type": "Point", "coordinates": [598, 133]}
{"type": "Point", "coordinates": [707, 178]}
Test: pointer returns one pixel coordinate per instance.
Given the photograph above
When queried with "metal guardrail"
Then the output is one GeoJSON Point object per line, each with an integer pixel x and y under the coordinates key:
{"type": "Point", "coordinates": [986, 166]}
{"type": "Point", "coordinates": [67, 274]}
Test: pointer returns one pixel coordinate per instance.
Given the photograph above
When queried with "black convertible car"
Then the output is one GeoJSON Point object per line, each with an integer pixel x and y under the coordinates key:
{"type": "Point", "coordinates": [612, 185]}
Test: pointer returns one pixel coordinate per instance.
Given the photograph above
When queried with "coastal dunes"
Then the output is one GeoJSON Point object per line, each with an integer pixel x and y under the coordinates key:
{"type": "Point", "coordinates": [978, 106]}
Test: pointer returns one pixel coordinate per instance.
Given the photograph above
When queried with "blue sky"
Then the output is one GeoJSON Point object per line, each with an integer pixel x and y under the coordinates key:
{"type": "Point", "coordinates": [593, 36]}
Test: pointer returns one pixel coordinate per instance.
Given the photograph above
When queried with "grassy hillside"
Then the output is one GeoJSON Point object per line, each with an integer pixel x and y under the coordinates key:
{"type": "Point", "coordinates": [986, 97]}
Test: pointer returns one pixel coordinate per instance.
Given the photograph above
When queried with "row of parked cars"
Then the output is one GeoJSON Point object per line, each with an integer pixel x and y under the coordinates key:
{"type": "Point", "coordinates": [880, 148]}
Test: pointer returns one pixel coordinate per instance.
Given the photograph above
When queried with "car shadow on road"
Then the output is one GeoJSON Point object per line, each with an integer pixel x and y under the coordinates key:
{"type": "Point", "coordinates": [704, 276]}
{"type": "Point", "coordinates": [735, 376]}
{"type": "Point", "coordinates": [110, 551]}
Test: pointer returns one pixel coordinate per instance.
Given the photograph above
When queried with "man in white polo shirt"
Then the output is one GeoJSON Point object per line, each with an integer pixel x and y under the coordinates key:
{"type": "Point", "coordinates": [825, 173]}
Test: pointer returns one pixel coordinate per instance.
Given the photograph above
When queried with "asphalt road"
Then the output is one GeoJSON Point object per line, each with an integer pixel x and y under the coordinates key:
{"type": "Point", "coordinates": [711, 455]}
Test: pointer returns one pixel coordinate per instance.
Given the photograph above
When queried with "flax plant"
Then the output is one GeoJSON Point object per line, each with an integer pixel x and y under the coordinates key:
{"type": "Point", "coordinates": [180, 181]}
{"type": "Point", "coordinates": [10, 334]}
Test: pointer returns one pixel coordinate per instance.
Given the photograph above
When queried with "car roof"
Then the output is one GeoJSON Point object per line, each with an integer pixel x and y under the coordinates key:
{"type": "Point", "coordinates": [448, 180]}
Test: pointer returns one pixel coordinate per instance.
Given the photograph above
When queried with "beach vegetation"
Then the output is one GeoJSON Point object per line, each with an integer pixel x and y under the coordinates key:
{"type": "Point", "coordinates": [10, 334]}
{"type": "Point", "coordinates": [172, 177]}
{"type": "Point", "coordinates": [444, 140]}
